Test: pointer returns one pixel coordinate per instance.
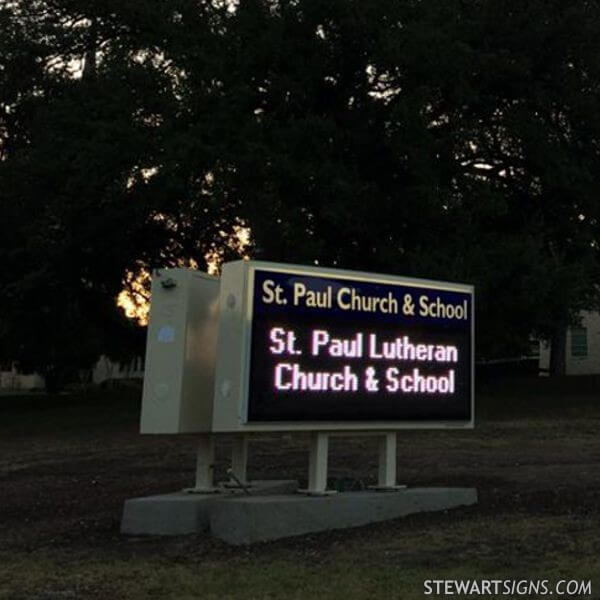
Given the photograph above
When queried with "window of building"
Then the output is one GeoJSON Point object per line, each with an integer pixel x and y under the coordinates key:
{"type": "Point", "coordinates": [579, 345]}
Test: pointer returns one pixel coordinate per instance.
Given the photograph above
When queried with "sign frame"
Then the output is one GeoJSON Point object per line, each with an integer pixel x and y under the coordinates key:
{"type": "Point", "coordinates": [247, 269]}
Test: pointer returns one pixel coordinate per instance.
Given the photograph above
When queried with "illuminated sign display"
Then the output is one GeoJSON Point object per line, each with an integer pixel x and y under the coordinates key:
{"type": "Point", "coordinates": [339, 346]}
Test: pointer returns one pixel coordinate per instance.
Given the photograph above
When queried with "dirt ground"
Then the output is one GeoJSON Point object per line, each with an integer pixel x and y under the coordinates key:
{"type": "Point", "coordinates": [68, 463]}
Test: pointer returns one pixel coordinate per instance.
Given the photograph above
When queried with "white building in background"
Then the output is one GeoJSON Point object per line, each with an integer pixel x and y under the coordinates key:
{"type": "Point", "coordinates": [13, 380]}
{"type": "Point", "coordinates": [583, 348]}
{"type": "Point", "coordinates": [104, 370]}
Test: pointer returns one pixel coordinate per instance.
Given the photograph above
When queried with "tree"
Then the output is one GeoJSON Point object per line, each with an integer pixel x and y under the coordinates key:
{"type": "Point", "coordinates": [525, 110]}
{"type": "Point", "coordinates": [454, 140]}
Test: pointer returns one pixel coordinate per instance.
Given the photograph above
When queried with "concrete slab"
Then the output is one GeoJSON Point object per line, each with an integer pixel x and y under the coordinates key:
{"type": "Point", "coordinates": [253, 519]}
{"type": "Point", "coordinates": [180, 513]}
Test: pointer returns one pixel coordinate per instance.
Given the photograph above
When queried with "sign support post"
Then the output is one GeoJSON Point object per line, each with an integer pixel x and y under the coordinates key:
{"type": "Point", "coordinates": [205, 466]}
{"type": "Point", "coordinates": [386, 476]}
{"type": "Point", "coordinates": [239, 460]}
{"type": "Point", "coordinates": [317, 465]}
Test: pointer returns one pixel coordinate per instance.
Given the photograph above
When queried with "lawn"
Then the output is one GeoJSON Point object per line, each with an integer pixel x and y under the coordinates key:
{"type": "Point", "coordinates": [68, 463]}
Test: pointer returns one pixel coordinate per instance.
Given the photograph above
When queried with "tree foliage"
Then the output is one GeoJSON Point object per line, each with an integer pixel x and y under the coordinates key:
{"type": "Point", "coordinates": [455, 140]}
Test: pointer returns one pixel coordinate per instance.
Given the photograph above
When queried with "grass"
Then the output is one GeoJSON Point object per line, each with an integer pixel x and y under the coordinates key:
{"type": "Point", "coordinates": [66, 466]}
{"type": "Point", "coordinates": [370, 563]}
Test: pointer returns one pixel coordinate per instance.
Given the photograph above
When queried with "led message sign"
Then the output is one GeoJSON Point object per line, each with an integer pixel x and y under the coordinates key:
{"type": "Point", "coordinates": [339, 346]}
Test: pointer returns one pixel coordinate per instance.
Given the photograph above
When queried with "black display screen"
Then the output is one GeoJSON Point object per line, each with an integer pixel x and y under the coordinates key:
{"type": "Point", "coordinates": [332, 349]}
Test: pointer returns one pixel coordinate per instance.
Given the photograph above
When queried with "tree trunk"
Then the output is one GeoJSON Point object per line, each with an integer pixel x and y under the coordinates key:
{"type": "Point", "coordinates": [89, 59]}
{"type": "Point", "coordinates": [558, 351]}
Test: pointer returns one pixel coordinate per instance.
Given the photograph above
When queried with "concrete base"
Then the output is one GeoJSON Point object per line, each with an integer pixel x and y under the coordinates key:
{"type": "Point", "coordinates": [241, 519]}
{"type": "Point", "coordinates": [253, 519]}
{"type": "Point", "coordinates": [182, 512]}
